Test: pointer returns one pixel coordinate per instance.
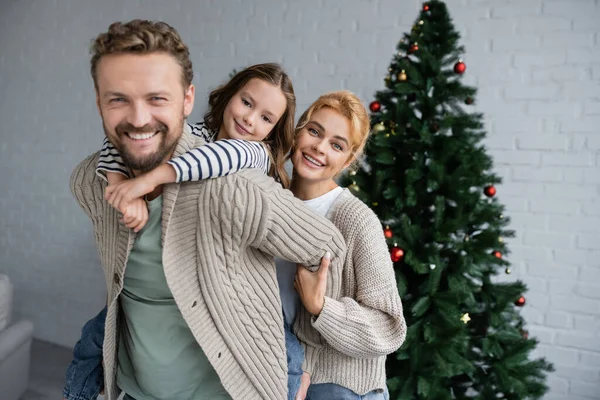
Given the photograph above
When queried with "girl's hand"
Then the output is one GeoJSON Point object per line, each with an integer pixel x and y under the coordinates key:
{"type": "Point", "coordinates": [136, 215]}
{"type": "Point", "coordinates": [311, 286]}
{"type": "Point", "coordinates": [122, 194]}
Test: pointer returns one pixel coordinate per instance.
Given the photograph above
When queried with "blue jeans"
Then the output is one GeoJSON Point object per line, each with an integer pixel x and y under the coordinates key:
{"type": "Point", "coordinates": [85, 375]}
{"type": "Point", "coordinates": [295, 358]}
{"type": "Point", "coordinates": [330, 391]}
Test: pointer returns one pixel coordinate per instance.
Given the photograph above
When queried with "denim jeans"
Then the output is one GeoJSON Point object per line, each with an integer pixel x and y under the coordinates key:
{"type": "Point", "coordinates": [330, 391]}
{"type": "Point", "coordinates": [85, 375]}
{"type": "Point", "coordinates": [295, 358]}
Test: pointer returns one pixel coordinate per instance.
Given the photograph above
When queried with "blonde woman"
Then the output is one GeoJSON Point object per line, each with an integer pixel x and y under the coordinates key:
{"type": "Point", "coordinates": [346, 339]}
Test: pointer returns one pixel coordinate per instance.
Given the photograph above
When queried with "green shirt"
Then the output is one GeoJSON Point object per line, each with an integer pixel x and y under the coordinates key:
{"type": "Point", "coordinates": [158, 357]}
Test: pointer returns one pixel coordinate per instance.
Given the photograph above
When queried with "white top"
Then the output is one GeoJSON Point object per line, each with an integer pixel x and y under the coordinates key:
{"type": "Point", "coordinates": [286, 271]}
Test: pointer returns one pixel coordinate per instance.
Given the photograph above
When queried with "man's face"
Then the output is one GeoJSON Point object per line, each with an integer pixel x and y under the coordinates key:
{"type": "Point", "coordinates": [143, 105]}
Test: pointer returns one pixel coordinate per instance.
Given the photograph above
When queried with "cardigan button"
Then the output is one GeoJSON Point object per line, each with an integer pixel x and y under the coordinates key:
{"type": "Point", "coordinates": [194, 304]}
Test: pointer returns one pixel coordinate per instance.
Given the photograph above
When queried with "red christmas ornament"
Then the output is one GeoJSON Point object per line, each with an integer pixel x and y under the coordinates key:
{"type": "Point", "coordinates": [525, 334]}
{"type": "Point", "coordinates": [413, 48]}
{"type": "Point", "coordinates": [387, 232]}
{"type": "Point", "coordinates": [460, 67]}
{"type": "Point", "coordinates": [375, 106]}
{"type": "Point", "coordinates": [489, 191]}
{"type": "Point", "coordinates": [426, 7]}
{"type": "Point", "coordinates": [469, 101]}
{"type": "Point", "coordinates": [497, 254]}
{"type": "Point", "coordinates": [520, 302]}
{"type": "Point", "coordinates": [397, 254]}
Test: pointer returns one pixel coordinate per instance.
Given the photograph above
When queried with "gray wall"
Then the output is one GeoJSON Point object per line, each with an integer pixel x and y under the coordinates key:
{"type": "Point", "coordinates": [536, 64]}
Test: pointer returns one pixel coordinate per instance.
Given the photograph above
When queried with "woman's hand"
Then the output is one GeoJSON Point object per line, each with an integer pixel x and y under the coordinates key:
{"type": "Point", "coordinates": [304, 384]}
{"type": "Point", "coordinates": [311, 286]}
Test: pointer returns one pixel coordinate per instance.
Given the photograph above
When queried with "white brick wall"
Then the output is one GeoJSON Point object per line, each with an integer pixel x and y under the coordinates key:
{"type": "Point", "coordinates": [536, 64]}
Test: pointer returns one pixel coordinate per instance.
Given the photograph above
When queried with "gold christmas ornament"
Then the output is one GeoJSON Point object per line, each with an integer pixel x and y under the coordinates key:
{"type": "Point", "coordinates": [508, 271]}
{"type": "Point", "coordinates": [402, 76]}
{"type": "Point", "coordinates": [380, 127]}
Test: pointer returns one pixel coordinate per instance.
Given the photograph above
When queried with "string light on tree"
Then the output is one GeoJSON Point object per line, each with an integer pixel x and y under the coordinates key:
{"type": "Point", "coordinates": [508, 271]}
{"type": "Point", "coordinates": [465, 318]}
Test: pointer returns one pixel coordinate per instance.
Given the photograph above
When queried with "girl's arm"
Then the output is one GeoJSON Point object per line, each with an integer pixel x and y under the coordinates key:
{"type": "Point", "coordinates": [211, 160]}
{"type": "Point", "coordinates": [110, 165]}
{"type": "Point", "coordinates": [219, 159]}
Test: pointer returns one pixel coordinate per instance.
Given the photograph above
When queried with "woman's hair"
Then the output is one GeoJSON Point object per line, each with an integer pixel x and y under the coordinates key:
{"type": "Point", "coordinates": [281, 138]}
{"type": "Point", "coordinates": [348, 105]}
{"type": "Point", "coordinates": [142, 37]}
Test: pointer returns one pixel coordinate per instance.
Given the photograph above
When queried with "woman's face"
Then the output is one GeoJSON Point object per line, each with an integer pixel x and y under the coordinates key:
{"type": "Point", "coordinates": [323, 146]}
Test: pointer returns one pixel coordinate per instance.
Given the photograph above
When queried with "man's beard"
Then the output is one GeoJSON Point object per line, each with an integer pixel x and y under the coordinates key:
{"type": "Point", "coordinates": [167, 145]}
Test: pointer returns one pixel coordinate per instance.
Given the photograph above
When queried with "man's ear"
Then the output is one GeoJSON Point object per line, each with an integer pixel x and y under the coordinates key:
{"type": "Point", "coordinates": [188, 100]}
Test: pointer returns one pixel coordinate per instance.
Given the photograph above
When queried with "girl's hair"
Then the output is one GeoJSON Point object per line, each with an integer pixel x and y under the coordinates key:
{"type": "Point", "coordinates": [281, 138]}
{"type": "Point", "coordinates": [350, 106]}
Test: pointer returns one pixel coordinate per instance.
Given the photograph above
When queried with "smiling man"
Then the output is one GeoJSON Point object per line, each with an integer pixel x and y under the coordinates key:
{"type": "Point", "coordinates": [193, 303]}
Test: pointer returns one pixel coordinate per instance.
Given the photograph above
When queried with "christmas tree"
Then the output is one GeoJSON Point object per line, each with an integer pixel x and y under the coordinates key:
{"type": "Point", "coordinates": [427, 176]}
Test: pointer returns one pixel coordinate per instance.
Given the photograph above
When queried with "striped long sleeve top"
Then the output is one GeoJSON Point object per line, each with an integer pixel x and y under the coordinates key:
{"type": "Point", "coordinates": [214, 159]}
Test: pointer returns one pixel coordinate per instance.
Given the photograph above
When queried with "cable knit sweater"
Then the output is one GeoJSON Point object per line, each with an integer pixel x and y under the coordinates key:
{"type": "Point", "coordinates": [219, 237]}
{"type": "Point", "coordinates": [356, 331]}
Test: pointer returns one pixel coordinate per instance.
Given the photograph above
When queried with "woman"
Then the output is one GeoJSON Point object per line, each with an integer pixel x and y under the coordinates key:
{"type": "Point", "coordinates": [346, 339]}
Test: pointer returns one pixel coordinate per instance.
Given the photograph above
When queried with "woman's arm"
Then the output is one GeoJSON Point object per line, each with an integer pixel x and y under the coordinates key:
{"type": "Point", "coordinates": [372, 323]}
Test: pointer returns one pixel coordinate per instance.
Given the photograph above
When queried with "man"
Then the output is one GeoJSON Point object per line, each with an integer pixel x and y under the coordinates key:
{"type": "Point", "coordinates": [193, 302]}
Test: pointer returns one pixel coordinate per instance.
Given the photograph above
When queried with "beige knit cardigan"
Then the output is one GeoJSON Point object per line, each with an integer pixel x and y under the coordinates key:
{"type": "Point", "coordinates": [355, 332]}
{"type": "Point", "coordinates": [219, 237]}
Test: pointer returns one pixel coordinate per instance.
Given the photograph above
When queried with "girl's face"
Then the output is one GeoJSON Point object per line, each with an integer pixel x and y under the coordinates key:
{"type": "Point", "coordinates": [253, 111]}
{"type": "Point", "coordinates": [323, 147]}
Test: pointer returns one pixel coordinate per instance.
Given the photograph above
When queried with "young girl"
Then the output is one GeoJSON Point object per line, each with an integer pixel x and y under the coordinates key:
{"type": "Point", "coordinates": [354, 333]}
{"type": "Point", "coordinates": [256, 105]}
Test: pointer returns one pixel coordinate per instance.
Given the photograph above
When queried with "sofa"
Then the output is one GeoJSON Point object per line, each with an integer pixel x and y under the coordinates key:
{"type": "Point", "coordinates": [15, 347]}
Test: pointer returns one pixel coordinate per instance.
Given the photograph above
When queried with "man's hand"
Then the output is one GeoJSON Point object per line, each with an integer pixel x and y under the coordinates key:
{"type": "Point", "coordinates": [311, 286]}
{"type": "Point", "coordinates": [304, 384]}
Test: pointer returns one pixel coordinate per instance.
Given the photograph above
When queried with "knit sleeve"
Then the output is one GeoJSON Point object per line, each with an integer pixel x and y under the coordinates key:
{"type": "Point", "coordinates": [371, 324]}
{"type": "Point", "coordinates": [219, 159]}
{"type": "Point", "coordinates": [295, 233]}
{"type": "Point", "coordinates": [85, 188]}
{"type": "Point", "coordinates": [110, 161]}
